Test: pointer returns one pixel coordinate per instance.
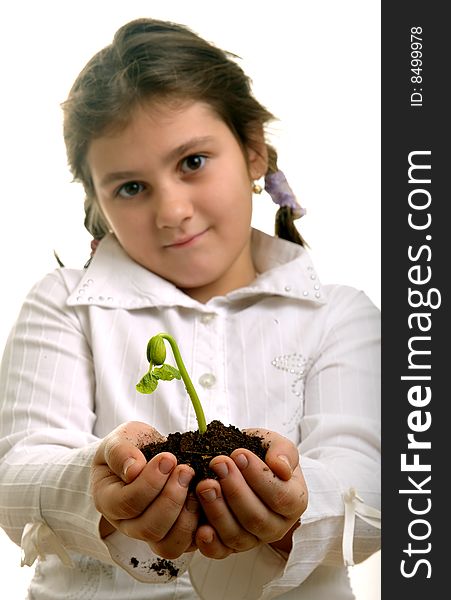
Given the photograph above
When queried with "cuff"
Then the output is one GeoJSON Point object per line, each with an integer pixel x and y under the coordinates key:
{"type": "Point", "coordinates": [354, 505]}
{"type": "Point", "coordinates": [38, 540]}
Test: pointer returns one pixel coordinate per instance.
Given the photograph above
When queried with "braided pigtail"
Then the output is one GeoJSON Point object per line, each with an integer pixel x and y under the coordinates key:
{"type": "Point", "coordinates": [95, 224]}
{"type": "Point", "coordinates": [277, 187]}
{"type": "Point", "coordinates": [94, 221]}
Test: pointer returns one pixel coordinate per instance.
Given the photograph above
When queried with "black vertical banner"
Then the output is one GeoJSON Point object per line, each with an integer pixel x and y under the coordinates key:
{"type": "Point", "coordinates": [416, 360]}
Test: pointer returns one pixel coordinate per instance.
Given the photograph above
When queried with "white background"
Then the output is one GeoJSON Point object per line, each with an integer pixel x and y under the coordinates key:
{"type": "Point", "coordinates": [315, 65]}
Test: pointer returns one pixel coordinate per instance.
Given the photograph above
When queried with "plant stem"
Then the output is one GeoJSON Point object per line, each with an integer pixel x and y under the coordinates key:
{"type": "Point", "coordinates": [188, 383]}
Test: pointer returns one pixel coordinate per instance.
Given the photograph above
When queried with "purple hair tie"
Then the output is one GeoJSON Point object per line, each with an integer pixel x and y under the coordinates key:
{"type": "Point", "coordinates": [277, 187]}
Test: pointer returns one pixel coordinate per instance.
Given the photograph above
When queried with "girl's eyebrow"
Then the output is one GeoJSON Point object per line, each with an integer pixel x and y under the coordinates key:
{"type": "Point", "coordinates": [181, 150]}
{"type": "Point", "coordinates": [117, 176]}
{"type": "Point", "coordinates": [188, 146]}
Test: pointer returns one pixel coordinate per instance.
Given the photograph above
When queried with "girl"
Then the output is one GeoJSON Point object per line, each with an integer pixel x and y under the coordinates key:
{"type": "Point", "coordinates": [163, 131]}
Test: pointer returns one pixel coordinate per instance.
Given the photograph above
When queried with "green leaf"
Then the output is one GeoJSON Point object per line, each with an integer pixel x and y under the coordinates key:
{"type": "Point", "coordinates": [167, 373]}
{"type": "Point", "coordinates": [148, 384]}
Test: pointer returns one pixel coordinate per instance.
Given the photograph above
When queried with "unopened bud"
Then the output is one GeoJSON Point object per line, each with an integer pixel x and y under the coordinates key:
{"type": "Point", "coordinates": [156, 350]}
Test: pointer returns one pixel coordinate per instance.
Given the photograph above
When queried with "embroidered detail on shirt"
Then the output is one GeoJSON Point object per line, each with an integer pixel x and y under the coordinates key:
{"type": "Point", "coordinates": [85, 585]}
{"type": "Point", "coordinates": [295, 364]}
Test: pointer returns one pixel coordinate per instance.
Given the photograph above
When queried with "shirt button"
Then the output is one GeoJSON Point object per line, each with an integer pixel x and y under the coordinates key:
{"type": "Point", "coordinates": [207, 380]}
{"type": "Point", "coordinates": [206, 318]}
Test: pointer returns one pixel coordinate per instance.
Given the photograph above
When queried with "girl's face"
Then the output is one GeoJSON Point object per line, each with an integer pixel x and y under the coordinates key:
{"type": "Point", "coordinates": [176, 189]}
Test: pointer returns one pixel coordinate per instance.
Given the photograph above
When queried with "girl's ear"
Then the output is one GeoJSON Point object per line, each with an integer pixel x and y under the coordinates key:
{"type": "Point", "coordinates": [257, 153]}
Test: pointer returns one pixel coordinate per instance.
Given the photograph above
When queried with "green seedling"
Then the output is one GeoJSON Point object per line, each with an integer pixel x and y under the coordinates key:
{"type": "Point", "coordinates": [156, 355]}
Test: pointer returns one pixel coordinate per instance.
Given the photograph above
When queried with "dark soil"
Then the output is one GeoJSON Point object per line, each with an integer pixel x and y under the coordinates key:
{"type": "Point", "coordinates": [196, 450]}
{"type": "Point", "coordinates": [161, 566]}
{"type": "Point", "coordinates": [165, 567]}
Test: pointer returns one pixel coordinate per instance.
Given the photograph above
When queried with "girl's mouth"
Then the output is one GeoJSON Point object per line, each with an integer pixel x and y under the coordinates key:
{"type": "Point", "coordinates": [186, 241]}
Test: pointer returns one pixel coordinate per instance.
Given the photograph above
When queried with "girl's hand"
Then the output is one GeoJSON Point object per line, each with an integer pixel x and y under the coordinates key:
{"type": "Point", "coordinates": [253, 501]}
{"type": "Point", "coordinates": [147, 501]}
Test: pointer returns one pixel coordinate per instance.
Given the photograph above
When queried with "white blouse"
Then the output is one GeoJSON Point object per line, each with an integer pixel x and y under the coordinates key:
{"type": "Point", "coordinates": [285, 353]}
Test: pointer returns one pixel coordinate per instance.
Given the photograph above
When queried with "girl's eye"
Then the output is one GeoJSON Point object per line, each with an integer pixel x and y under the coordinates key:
{"type": "Point", "coordinates": [193, 163]}
{"type": "Point", "coordinates": [130, 189]}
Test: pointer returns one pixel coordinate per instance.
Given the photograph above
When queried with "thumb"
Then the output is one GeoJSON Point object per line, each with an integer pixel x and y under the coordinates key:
{"type": "Point", "coordinates": [120, 450]}
{"type": "Point", "coordinates": [282, 456]}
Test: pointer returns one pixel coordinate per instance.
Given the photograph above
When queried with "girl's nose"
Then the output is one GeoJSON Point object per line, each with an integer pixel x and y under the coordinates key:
{"type": "Point", "coordinates": [173, 206]}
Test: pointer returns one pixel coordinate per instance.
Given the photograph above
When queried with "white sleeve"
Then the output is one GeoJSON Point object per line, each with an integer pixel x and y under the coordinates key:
{"type": "Point", "coordinates": [339, 456]}
{"type": "Point", "coordinates": [340, 443]}
{"type": "Point", "coordinates": [47, 442]}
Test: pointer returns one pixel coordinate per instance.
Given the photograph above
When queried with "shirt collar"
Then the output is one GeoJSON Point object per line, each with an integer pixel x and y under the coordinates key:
{"type": "Point", "coordinates": [114, 280]}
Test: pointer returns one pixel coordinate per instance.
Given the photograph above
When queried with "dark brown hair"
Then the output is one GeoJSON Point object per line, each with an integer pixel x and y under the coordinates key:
{"type": "Point", "coordinates": [154, 60]}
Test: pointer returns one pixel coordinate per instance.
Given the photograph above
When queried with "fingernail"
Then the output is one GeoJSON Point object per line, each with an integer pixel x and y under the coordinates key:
{"type": "Point", "coordinates": [207, 537]}
{"type": "Point", "coordinates": [241, 461]}
{"type": "Point", "coordinates": [284, 459]}
{"type": "Point", "coordinates": [192, 505]}
{"type": "Point", "coordinates": [127, 464]}
{"type": "Point", "coordinates": [221, 469]}
{"type": "Point", "coordinates": [165, 465]}
{"type": "Point", "coordinates": [185, 477]}
{"type": "Point", "coordinates": [209, 495]}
